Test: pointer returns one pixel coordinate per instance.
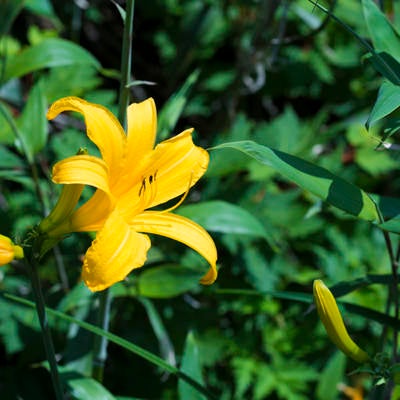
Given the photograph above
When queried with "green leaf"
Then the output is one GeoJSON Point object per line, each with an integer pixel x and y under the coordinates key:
{"type": "Point", "coordinates": [165, 344]}
{"type": "Point", "coordinates": [343, 288]}
{"type": "Point", "coordinates": [382, 61]}
{"type": "Point", "coordinates": [223, 217]}
{"type": "Point", "coordinates": [7, 125]}
{"type": "Point", "coordinates": [191, 366]}
{"type": "Point", "coordinates": [386, 65]}
{"type": "Point", "coordinates": [387, 101]}
{"type": "Point", "coordinates": [43, 8]}
{"type": "Point", "coordinates": [147, 355]}
{"type": "Point", "coordinates": [52, 52]}
{"type": "Point", "coordinates": [33, 123]}
{"type": "Point", "coordinates": [172, 110]}
{"type": "Point", "coordinates": [389, 206]}
{"type": "Point", "coordinates": [9, 9]}
{"type": "Point", "coordinates": [319, 181]}
{"type": "Point", "coordinates": [382, 33]}
{"type": "Point", "coordinates": [331, 375]}
{"type": "Point", "coordinates": [392, 225]}
{"type": "Point", "coordinates": [167, 281]}
{"type": "Point", "coordinates": [82, 388]}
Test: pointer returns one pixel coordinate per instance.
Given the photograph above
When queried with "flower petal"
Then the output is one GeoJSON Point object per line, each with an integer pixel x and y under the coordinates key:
{"type": "Point", "coordinates": [171, 169]}
{"type": "Point", "coordinates": [183, 230]}
{"type": "Point", "coordinates": [90, 217]}
{"type": "Point", "coordinates": [115, 252]}
{"type": "Point", "coordinates": [65, 206]}
{"type": "Point", "coordinates": [82, 169]}
{"type": "Point", "coordinates": [142, 128]}
{"type": "Point", "coordinates": [103, 128]}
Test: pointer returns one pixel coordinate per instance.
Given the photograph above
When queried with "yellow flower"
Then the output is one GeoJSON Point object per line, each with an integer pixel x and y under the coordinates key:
{"type": "Point", "coordinates": [330, 316]}
{"type": "Point", "coordinates": [9, 251]}
{"type": "Point", "coordinates": [131, 177]}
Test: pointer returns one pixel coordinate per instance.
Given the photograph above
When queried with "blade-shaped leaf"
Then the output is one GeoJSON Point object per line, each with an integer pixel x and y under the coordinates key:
{"type": "Point", "coordinates": [83, 388]}
{"type": "Point", "coordinates": [165, 344]}
{"type": "Point", "coordinates": [191, 366]}
{"type": "Point", "coordinates": [386, 65]}
{"type": "Point", "coordinates": [319, 181]}
{"type": "Point", "coordinates": [388, 100]}
{"type": "Point", "coordinates": [51, 52]}
{"type": "Point", "coordinates": [9, 10]}
{"type": "Point", "coordinates": [383, 35]}
{"type": "Point", "coordinates": [392, 225]}
{"type": "Point", "coordinates": [174, 106]}
{"type": "Point", "coordinates": [33, 123]}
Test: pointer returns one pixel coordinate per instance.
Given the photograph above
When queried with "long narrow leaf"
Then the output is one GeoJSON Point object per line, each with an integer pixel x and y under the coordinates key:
{"type": "Point", "coordinates": [319, 181]}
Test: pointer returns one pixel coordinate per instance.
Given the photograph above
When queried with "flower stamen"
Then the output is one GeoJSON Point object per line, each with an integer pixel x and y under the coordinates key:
{"type": "Point", "coordinates": [182, 198]}
{"type": "Point", "coordinates": [148, 190]}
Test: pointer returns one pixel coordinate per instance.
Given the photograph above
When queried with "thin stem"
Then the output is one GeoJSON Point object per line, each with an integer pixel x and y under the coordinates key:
{"type": "Point", "coordinates": [46, 335]}
{"type": "Point", "coordinates": [126, 62]}
{"type": "Point", "coordinates": [100, 344]}
{"type": "Point", "coordinates": [394, 290]}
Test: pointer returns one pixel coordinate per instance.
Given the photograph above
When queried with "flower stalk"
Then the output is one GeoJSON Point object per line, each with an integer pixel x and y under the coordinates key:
{"type": "Point", "coordinates": [46, 335]}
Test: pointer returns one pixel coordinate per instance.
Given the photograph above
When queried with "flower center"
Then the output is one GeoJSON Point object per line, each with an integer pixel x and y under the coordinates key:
{"type": "Point", "coordinates": [147, 190]}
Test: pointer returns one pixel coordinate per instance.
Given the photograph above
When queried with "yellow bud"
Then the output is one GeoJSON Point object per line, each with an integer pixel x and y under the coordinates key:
{"type": "Point", "coordinates": [330, 316]}
{"type": "Point", "coordinates": [8, 250]}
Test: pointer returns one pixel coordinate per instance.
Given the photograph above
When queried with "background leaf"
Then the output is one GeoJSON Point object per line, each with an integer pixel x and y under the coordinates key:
{"type": "Point", "coordinates": [383, 35]}
{"type": "Point", "coordinates": [191, 366]}
{"type": "Point", "coordinates": [49, 53]}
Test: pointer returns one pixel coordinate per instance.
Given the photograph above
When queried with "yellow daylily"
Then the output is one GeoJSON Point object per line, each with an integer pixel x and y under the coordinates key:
{"type": "Point", "coordinates": [330, 316]}
{"type": "Point", "coordinates": [131, 177]}
{"type": "Point", "coordinates": [9, 250]}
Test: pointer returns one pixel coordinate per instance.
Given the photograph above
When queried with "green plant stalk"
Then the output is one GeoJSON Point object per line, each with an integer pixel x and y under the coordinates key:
{"type": "Point", "coordinates": [126, 62]}
{"type": "Point", "coordinates": [46, 335]}
{"type": "Point", "coordinates": [393, 295]}
{"type": "Point", "coordinates": [100, 343]}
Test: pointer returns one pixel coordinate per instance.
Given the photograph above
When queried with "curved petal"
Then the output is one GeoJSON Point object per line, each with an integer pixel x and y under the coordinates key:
{"type": "Point", "coordinates": [171, 169]}
{"type": "Point", "coordinates": [64, 207]}
{"type": "Point", "coordinates": [82, 169]}
{"type": "Point", "coordinates": [115, 252]}
{"type": "Point", "coordinates": [142, 128]}
{"type": "Point", "coordinates": [183, 230]}
{"type": "Point", "coordinates": [91, 216]}
{"type": "Point", "coordinates": [102, 126]}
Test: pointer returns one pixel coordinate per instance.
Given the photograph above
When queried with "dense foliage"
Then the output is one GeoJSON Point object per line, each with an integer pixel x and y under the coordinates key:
{"type": "Point", "coordinates": [279, 73]}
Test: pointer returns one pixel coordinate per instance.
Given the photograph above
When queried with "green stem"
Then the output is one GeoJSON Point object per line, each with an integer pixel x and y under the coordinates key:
{"type": "Point", "coordinates": [46, 335]}
{"type": "Point", "coordinates": [100, 345]}
{"type": "Point", "coordinates": [126, 62]}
